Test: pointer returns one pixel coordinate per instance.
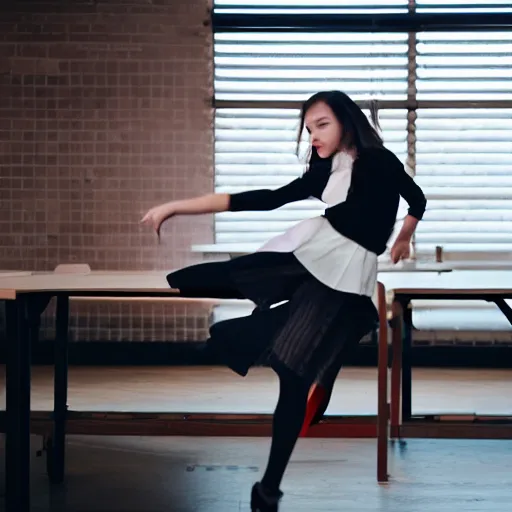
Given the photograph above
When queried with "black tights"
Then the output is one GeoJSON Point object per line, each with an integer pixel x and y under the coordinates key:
{"type": "Point", "coordinates": [287, 423]}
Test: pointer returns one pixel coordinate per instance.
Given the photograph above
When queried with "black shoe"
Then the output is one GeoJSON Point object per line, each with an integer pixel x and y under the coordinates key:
{"type": "Point", "coordinates": [262, 502]}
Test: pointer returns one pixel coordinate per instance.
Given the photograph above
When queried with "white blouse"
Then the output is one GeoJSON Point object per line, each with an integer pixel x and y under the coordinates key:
{"type": "Point", "coordinates": [333, 259]}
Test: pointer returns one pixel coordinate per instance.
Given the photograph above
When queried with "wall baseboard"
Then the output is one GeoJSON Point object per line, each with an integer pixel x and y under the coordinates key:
{"type": "Point", "coordinates": [188, 353]}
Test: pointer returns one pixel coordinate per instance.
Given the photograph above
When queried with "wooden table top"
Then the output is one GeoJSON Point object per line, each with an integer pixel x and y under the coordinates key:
{"type": "Point", "coordinates": [100, 281]}
{"type": "Point", "coordinates": [460, 282]}
{"type": "Point", "coordinates": [154, 282]}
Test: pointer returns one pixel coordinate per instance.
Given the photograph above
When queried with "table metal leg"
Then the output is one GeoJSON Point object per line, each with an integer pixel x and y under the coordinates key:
{"type": "Point", "coordinates": [36, 306]}
{"type": "Point", "coordinates": [56, 448]}
{"type": "Point", "coordinates": [504, 308]}
{"type": "Point", "coordinates": [406, 363]}
{"type": "Point", "coordinates": [17, 434]}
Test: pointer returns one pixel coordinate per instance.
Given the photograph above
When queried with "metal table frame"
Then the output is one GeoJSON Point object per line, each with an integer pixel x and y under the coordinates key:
{"type": "Point", "coordinates": [401, 368]}
{"type": "Point", "coordinates": [22, 318]}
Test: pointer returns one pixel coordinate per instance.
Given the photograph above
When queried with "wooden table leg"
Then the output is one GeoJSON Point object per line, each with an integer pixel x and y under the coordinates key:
{"type": "Point", "coordinates": [406, 385]}
{"type": "Point", "coordinates": [383, 405]}
{"type": "Point", "coordinates": [396, 367]}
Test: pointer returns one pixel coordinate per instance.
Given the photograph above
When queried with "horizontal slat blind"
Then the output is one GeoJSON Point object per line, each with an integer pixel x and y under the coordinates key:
{"type": "Point", "coordinates": [464, 66]}
{"type": "Point", "coordinates": [464, 164]}
{"type": "Point", "coordinates": [255, 148]}
{"type": "Point", "coordinates": [463, 146]}
{"type": "Point", "coordinates": [463, 6]}
{"type": "Point", "coordinates": [264, 67]}
{"type": "Point", "coordinates": [310, 6]}
{"type": "Point", "coordinates": [464, 156]}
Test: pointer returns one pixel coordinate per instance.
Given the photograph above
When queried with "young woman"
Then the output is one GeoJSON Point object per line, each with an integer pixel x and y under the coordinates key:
{"type": "Point", "coordinates": [313, 285]}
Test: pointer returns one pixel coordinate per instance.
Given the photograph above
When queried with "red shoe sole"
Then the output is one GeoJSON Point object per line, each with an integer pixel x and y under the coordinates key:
{"type": "Point", "coordinates": [315, 400]}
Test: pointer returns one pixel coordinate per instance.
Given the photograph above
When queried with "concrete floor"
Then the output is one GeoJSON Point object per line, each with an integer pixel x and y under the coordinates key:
{"type": "Point", "coordinates": [215, 475]}
{"type": "Point", "coordinates": [218, 389]}
{"type": "Point", "coordinates": [204, 474]}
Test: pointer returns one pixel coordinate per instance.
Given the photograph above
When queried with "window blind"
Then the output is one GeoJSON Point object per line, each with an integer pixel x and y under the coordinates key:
{"type": "Point", "coordinates": [445, 97]}
{"type": "Point", "coordinates": [463, 6]}
{"type": "Point", "coordinates": [290, 67]}
{"type": "Point", "coordinates": [255, 147]}
{"type": "Point", "coordinates": [310, 6]}
{"type": "Point", "coordinates": [464, 155]}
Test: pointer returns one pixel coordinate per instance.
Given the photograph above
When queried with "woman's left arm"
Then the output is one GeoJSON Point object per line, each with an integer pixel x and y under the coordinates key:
{"type": "Point", "coordinates": [417, 202]}
{"type": "Point", "coordinates": [412, 193]}
{"type": "Point", "coordinates": [392, 171]}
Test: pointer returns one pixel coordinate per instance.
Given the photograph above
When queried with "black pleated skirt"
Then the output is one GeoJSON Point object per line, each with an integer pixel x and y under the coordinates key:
{"type": "Point", "coordinates": [297, 321]}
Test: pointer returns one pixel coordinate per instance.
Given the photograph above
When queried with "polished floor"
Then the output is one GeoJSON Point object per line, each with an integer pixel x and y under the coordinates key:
{"type": "Point", "coordinates": [205, 474]}
{"type": "Point", "coordinates": [215, 475]}
{"type": "Point", "coordinates": [217, 389]}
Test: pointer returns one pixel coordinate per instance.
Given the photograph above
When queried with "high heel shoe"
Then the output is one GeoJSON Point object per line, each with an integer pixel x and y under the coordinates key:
{"type": "Point", "coordinates": [261, 502]}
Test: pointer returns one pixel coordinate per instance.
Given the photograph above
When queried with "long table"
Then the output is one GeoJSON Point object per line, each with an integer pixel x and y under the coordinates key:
{"type": "Point", "coordinates": [25, 296]}
{"type": "Point", "coordinates": [488, 286]}
{"type": "Point", "coordinates": [28, 294]}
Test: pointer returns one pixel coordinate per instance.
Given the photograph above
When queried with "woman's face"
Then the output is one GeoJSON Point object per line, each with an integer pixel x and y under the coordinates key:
{"type": "Point", "coordinates": [325, 131]}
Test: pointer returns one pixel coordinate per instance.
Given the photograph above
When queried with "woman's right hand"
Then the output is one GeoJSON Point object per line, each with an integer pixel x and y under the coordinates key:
{"type": "Point", "coordinates": [157, 215]}
{"type": "Point", "coordinates": [209, 203]}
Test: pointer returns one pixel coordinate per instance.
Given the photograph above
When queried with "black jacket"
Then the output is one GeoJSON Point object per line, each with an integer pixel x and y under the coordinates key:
{"type": "Point", "coordinates": [368, 214]}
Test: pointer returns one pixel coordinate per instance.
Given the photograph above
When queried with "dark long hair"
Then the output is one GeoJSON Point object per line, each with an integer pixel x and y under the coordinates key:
{"type": "Point", "coordinates": [358, 132]}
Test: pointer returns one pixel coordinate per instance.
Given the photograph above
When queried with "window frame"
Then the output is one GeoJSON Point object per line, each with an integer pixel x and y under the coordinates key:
{"type": "Point", "coordinates": [410, 22]}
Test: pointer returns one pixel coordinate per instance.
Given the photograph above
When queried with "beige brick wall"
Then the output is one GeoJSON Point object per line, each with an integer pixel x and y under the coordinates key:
{"type": "Point", "coordinates": [105, 111]}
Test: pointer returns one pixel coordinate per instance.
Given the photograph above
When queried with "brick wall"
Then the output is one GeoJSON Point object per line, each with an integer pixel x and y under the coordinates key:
{"type": "Point", "coordinates": [105, 111]}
